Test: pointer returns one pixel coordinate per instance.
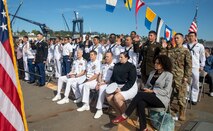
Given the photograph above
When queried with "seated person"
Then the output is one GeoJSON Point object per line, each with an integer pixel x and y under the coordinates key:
{"type": "Point", "coordinates": [124, 74]}
{"type": "Point", "coordinates": [75, 77]}
{"type": "Point", "coordinates": [92, 72]}
{"type": "Point", "coordinates": [209, 69]}
{"type": "Point", "coordinates": [156, 93]}
{"type": "Point", "coordinates": [103, 81]}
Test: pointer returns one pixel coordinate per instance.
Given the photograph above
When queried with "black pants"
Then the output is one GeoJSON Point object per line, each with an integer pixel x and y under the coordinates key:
{"type": "Point", "coordinates": [140, 102]}
{"type": "Point", "coordinates": [21, 66]}
{"type": "Point", "coordinates": [209, 80]}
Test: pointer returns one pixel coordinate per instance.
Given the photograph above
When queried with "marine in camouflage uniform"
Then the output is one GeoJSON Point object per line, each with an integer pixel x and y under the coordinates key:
{"type": "Point", "coordinates": [166, 50]}
{"type": "Point", "coordinates": [182, 71]}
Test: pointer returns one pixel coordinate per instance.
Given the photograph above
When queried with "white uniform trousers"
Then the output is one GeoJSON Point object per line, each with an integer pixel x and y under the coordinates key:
{"type": "Point", "coordinates": [71, 83]}
{"type": "Point", "coordinates": [27, 76]}
{"type": "Point", "coordinates": [195, 84]}
{"type": "Point", "coordinates": [101, 96]}
{"type": "Point", "coordinates": [85, 90]}
{"type": "Point", "coordinates": [57, 68]}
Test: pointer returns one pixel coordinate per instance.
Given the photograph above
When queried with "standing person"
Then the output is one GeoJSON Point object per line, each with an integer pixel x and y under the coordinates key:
{"type": "Point", "coordinates": [86, 44]}
{"type": "Point", "coordinates": [133, 34]}
{"type": "Point", "coordinates": [198, 62]}
{"type": "Point", "coordinates": [149, 51]}
{"type": "Point", "coordinates": [72, 80]}
{"type": "Point", "coordinates": [41, 48]}
{"type": "Point", "coordinates": [50, 51]}
{"type": "Point", "coordinates": [57, 54]}
{"type": "Point", "coordinates": [25, 48]}
{"type": "Point", "coordinates": [114, 48]}
{"type": "Point", "coordinates": [124, 74]}
{"type": "Point", "coordinates": [78, 44]}
{"type": "Point", "coordinates": [19, 56]}
{"type": "Point", "coordinates": [96, 47]}
{"type": "Point", "coordinates": [156, 93]}
{"type": "Point", "coordinates": [209, 69]}
{"type": "Point", "coordinates": [182, 71]}
{"type": "Point", "coordinates": [128, 48]}
{"type": "Point", "coordinates": [92, 72]}
{"type": "Point", "coordinates": [31, 62]}
{"type": "Point", "coordinates": [67, 55]}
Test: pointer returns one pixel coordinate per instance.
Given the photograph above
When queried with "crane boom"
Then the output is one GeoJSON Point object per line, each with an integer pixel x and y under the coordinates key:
{"type": "Point", "coordinates": [43, 27]}
{"type": "Point", "coordinates": [66, 22]}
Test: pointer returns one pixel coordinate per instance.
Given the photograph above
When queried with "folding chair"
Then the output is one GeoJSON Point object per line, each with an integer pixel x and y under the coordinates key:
{"type": "Point", "coordinates": [50, 71]}
{"type": "Point", "coordinates": [159, 110]}
{"type": "Point", "coordinates": [201, 84]}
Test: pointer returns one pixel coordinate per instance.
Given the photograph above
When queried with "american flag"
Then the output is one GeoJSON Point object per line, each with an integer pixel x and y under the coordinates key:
{"type": "Point", "coordinates": [193, 26]}
{"type": "Point", "coordinates": [12, 116]}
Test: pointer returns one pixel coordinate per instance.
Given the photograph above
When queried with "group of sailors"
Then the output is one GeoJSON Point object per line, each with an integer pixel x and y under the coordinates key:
{"type": "Point", "coordinates": [95, 64]}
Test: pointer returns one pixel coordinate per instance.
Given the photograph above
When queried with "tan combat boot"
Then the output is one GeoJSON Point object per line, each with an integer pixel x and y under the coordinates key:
{"type": "Point", "coordinates": [182, 116]}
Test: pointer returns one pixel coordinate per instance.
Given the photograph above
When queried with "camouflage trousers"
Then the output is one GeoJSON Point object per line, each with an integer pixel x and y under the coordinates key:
{"type": "Point", "coordinates": [180, 89]}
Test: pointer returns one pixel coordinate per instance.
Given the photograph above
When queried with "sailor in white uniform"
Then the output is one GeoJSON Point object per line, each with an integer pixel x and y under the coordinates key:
{"type": "Point", "coordinates": [103, 81]}
{"type": "Point", "coordinates": [25, 49]}
{"type": "Point", "coordinates": [50, 51]}
{"type": "Point", "coordinates": [130, 50]}
{"type": "Point", "coordinates": [57, 57]}
{"type": "Point", "coordinates": [198, 62]}
{"type": "Point", "coordinates": [92, 72]}
{"type": "Point", "coordinates": [73, 79]}
{"type": "Point", "coordinates": [96, 47]}
{"type": "Point", "coordinates": [67, 54]}
{"type": "Point", "coordinates": [113, 47]}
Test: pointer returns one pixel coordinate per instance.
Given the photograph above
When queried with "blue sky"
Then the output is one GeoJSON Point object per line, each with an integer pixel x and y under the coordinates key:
{"type": "Point", "coordinates": [177, 14]}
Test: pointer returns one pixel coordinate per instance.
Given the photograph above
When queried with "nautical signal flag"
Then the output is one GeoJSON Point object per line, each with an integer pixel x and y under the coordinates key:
{"type": "Point", "coordinates": [150, 16]}
{"type": "Point", "coordinates": [12, 116]}
{"type": "Point", "coordinates": [128, 4]}
{"type": "Point", "coordinates": [139, 4]}
{"type": "Point", "coordinates": [110, 5]}
{"type": "Point", "coordinates": [158, 29]}
{"type": "Point", "coordinates": [167, 33]}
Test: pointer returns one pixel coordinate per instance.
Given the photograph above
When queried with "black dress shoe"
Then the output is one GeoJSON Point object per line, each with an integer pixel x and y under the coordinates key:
{"type": "Point", "coordinates": [31, 82]}
{"type": "Point", "coordinates": [194, 103]}
{"type": "Point", "coordinates": [40, 85]}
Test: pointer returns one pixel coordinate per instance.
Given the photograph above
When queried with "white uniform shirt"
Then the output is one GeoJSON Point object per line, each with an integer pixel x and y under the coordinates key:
{"type": "Point", "coordinates": [57, 51]}
{"type": "Point", "coordinates": [75, 48]}
{"type": "Point", "coordinates": [106, 71]}
{"type": "Point", "coordinates": [198, 55]}
{"type": "Point", "coordinates": [93, 68]}
{"type": "Point", "coordinates": [105, 48]}
{"type": "Point", "coordinates": [67, 49]}
{"type": "Point", "coordinates": [30, 52]}
{"type": "Point", "coordinates": [133, 56]}
{"type": "Point", "coordinates": [78, 66]}
{"type": "Point", "coordinates": [115, 49]}
{"type": "Point", "coordinates": [50, 52]}
{"type": "Point", "coordinates": [98, 49]}
{"type": "Point", "coordinates": [24, 51]}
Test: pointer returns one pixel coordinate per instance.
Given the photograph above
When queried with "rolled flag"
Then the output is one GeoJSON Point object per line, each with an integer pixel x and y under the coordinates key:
{"type": "Point", "coordinates": [158, 29]}
{"type": "Point", "coordinates": [167, 33]}
{"type": "Point", "coordinates": [110, 5]}
{"type": "Point", "coordinates": [128, 4]}
{"type": "Point", "coordinates": [150, 16]}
